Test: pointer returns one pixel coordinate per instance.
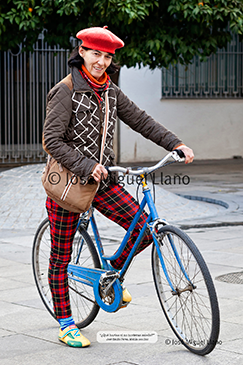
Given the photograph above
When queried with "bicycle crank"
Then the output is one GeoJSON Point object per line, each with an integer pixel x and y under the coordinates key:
{"type": "Point", "coordinates": [108, 291]}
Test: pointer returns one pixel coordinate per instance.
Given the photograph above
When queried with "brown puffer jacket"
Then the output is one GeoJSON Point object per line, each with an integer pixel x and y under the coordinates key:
{"type": "Point", "coordinates": [72, 129]}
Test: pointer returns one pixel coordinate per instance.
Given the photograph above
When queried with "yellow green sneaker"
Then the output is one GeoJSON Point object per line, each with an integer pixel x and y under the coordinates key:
{"type": "Point", "coordinates": [73, 337]}
{"type": "Point", "coordinates": [126, 297]}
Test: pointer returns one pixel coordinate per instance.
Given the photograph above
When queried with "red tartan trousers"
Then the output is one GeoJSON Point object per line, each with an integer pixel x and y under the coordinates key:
{"type": "Point", "coordinates": [115, 203]}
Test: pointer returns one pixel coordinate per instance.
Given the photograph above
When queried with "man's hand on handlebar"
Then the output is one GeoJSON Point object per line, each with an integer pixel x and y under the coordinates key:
{"type": "Point", "coordinates": [100, 172]}
{"type": "Point", "coordinates": [188, 152]}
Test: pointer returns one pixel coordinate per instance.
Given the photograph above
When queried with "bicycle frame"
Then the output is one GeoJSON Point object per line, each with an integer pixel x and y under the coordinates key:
{"type": "Point", "coordinates": [147, 199]}
{"type": "Point", "coordinates": [91, 277]}
{"type": "Point", "coordinates": [190, 309]}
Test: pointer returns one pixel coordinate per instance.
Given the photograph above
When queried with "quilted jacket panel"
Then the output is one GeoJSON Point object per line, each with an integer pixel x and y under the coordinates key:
{"type": "Point", "coordinates": [73, 125]}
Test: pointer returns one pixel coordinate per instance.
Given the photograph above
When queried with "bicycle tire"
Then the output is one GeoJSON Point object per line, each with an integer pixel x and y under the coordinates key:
{"type": "Point", "coordinates": [193, 314]}
{"type": "Point", "coordinates": [83, 305]}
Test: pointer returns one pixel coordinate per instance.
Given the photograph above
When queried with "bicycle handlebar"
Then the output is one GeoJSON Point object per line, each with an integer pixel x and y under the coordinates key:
{"type": "Point", "coordinates": [177, 155]}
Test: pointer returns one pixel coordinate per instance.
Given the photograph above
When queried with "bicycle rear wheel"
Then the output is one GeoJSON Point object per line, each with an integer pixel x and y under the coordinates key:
{"type": "Point", "coordinates": [83, 305]}
{"type": "Point", "coordinates": [192, 309]}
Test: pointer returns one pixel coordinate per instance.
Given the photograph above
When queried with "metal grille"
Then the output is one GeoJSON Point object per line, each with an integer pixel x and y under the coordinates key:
{"type": "Point", "coordinates": [233, 278]}
{"type": "Point", "coordinates": [26, 79]}
{"type": "Point", "coordinates": [219, 77]}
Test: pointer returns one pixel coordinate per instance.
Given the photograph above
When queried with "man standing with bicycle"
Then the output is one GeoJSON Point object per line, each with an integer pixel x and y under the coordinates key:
{"type": "Point", "coordinates": [72, 135]}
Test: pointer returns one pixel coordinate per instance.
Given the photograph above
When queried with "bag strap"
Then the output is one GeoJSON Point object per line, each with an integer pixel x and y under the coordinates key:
{"type": "Point", "coordinates": [105, 126]}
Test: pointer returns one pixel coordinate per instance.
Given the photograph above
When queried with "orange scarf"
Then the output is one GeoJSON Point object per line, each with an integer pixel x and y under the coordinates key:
{"type": "Point", "coordinates": [97, 86]}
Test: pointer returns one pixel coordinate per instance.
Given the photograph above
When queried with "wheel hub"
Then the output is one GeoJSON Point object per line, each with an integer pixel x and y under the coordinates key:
{"type": "Point", "coordinates": [189, 287]}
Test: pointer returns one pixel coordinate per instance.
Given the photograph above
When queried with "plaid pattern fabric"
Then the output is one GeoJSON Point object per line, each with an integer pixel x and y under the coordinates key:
{"type": "Point", "coordinates": [62, 229]}
{"type": "Point", "coordinates": [115, 203]}
{"type": "Point", "coordinates": [119, 206]}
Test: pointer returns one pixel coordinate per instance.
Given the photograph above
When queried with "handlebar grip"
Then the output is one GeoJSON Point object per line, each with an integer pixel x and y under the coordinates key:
{"type": "Point", "coordinates": [180, 153]}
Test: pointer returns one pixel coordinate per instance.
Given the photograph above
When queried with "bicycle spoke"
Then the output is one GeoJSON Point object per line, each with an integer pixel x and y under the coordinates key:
{"type": "Point", "coordinates": [189, 308]}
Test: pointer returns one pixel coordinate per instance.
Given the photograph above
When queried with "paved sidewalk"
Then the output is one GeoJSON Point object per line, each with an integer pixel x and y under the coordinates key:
{"type": "Point", "coordinates": [28, 334]}
{"type": "Point", "coordinates": [22, 197]}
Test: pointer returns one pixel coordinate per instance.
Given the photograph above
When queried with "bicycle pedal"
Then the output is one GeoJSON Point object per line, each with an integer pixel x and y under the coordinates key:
{"type": "Point", "coordinates": [124, 304]}
{"type": "Point", "coordinates": [127, 298]}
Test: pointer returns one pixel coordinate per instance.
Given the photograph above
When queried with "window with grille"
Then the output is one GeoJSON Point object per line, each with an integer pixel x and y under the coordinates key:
{"type": "Point", "coordinates": [219, 77]}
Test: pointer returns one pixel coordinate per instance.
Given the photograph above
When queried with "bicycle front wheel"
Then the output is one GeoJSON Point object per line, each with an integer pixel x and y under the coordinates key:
{"type": "Point", "coordinates": [190, 305]}
{"type": "Point", "coordinates": [83, 305]}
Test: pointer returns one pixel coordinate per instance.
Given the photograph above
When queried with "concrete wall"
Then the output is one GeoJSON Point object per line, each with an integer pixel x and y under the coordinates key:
{"type": "Point", "coordinates": [213, 128]}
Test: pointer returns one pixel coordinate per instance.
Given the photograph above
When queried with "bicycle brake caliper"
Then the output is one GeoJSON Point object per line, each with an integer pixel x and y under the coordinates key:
{"type": "Point", "coordinates": [155, 227]}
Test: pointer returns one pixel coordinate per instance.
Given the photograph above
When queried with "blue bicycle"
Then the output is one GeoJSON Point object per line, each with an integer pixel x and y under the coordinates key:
{"type": "Point", "coordinates": [182, 280]}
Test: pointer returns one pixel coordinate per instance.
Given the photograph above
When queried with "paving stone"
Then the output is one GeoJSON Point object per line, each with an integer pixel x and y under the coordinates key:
{"type": "Point", "coordinates": [28, 332]}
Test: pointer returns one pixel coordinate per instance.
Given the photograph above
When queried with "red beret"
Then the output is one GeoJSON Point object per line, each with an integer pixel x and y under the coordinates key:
{"type": "Point", "coordinates": [100, 39]}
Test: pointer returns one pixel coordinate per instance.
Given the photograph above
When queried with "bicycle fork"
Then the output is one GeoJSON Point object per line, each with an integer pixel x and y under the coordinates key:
{"type": "Point", "coordinates": [155, 221]}
{"type": "Point", "coordinates": [175, 291]}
